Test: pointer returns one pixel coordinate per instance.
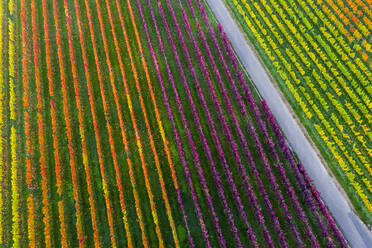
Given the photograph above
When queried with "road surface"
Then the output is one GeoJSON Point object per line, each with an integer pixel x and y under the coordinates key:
{"type": "Point", "coordinates": [352, 227]}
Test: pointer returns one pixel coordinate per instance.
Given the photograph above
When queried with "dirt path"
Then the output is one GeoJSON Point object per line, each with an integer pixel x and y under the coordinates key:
{"type": "Point", "coordinates": [353, 228]}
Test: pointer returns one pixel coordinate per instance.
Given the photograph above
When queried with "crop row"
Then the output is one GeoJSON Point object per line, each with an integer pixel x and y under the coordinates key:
{"type": "Point", "coordinates": [13, 134]}
{"type": "Point", "coordinates": [317, 70]}
{"type": "Point", "coordinates": [133, 125]}
{"type": "Point", "coordinates": [2, 124]}
{"type": "Point", "coordinates": [343, 18]}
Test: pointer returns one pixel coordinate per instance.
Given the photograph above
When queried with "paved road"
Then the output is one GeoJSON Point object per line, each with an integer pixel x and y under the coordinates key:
{"type": "Point", "coordinates": [354, 230]}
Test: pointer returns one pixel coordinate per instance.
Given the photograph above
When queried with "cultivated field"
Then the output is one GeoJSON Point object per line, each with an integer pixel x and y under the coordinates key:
{"type": "Point", "coordinates": [319, 52]}
{"type": "Point", "coordinates": [129, 123]}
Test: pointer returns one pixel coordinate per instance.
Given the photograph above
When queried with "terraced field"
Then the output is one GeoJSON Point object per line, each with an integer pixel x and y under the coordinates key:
{"type": "Point", "coordinates": [319, 52]}
{"type": "Point", "coordinates": [129, 123]}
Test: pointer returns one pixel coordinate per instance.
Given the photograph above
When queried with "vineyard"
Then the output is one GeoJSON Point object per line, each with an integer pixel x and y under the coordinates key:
{"type": "Point", "coordinates": [130, 123]}
{"type": "Point", "coordinates": [319, 52]}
